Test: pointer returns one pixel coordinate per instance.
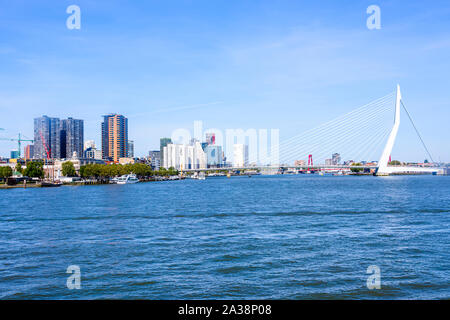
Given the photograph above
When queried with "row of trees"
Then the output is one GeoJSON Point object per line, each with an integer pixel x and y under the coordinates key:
{"type": "Point", "coordinates": [113, 170]}
{"type": "Point", "coordinates": [356, 169]}
{"type": "Point", "coordinates": [33, 170]}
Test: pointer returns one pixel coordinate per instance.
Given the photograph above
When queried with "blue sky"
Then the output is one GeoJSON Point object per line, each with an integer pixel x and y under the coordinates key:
{"type": "Point", "coordinates": [290, 65]}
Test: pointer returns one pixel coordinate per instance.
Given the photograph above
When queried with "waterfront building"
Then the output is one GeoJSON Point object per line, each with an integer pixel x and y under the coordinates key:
{"type": "Point", "coordinates": [183, 156]}
{"type": "Point", "coordinates": [155, 159]}
{"type": "Point", "coordinates": [126, 160]}
{"type": "Point", "coordinates": [214, 156]}
{"type": "Point", "coordinates": [29, 152]}
{"type": "Point", "coordinates": [240, 155]}
{"type": "Point", "coordinates": [114, 137]}
{"type": "Point", "coordinates": [210, 139]}
{"type": "Point", "coordinates": [93, 153]}
{"type": "Point", "coordinates": [71, 137]}
{"type": "Point", "coordinates": [329, 162]}
{"type": "Point", "coordinates": [299, 163]}
{"type": "Point", "coordinates": [14, 154]}
{"type": "Point", "coordinates": [130, 149]}
{"type": "Point", "coordinates": [163, 142]}
{"type": "Point", "coordinates": [47, 137]}
{"type": "Point", "coordinates": [60, 138]}
{"type": "Point", "coordinates": [336, 159]}
{"type": "Point", "coordinates": [77, 163]}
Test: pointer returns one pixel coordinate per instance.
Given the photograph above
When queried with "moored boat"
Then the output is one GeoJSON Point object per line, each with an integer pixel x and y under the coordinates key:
{"type": "Point", "coordinates": [50, 184]}
{"type": "Point", "coordinates": [127, 179]}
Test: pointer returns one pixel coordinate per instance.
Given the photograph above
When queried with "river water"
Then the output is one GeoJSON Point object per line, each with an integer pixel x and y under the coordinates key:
{"type": "Point", "coordinates": [265, 237]}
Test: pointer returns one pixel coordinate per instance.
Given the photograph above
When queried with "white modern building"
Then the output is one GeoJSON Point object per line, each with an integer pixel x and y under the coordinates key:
{"type": "Point", "coordinates": [89, 144]}
{"type": "Point", "coordinates": [214, 156]}
{"type": "Point", "coordinates": [240, 155]}
{"type": "Point", "coordinates": [183, 156]}
{"type": "Point", "coordinates": [155, 158]}
{"type": "Point", "coordinates": [93, 153]}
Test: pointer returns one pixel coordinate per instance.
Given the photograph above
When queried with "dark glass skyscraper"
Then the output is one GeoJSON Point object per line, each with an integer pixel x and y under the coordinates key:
{"type": "Point", "coordinates": [59, 137]}
{"type": "Point", "coordinates": [47, 137]}
{"type": "Point", "coordinates": [72, 137]}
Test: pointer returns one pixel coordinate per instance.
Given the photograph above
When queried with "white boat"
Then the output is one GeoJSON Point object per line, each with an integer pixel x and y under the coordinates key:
{"type": "Point", "coordinates": [114, 180]}
{"type": "Point", "coordinates": [127, 179]}
{"type": "Point", "coordinates": [201, 176]}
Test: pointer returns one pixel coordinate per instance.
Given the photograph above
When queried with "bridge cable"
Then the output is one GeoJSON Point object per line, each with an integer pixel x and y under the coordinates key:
{"type": "Point", "coordinates": [417, 131]}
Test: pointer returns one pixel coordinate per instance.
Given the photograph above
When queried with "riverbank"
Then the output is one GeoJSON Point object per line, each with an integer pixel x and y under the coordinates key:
{"type": "Point", "coordinates": [176, 178]}
{"type": "Point", "coordinates": [85, 182]}
{"type": "Point", "coordinates": [22, 186]}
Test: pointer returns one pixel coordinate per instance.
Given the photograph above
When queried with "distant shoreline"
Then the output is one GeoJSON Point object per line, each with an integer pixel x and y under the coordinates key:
{"type": "Point", "coordinates": [92, 183]}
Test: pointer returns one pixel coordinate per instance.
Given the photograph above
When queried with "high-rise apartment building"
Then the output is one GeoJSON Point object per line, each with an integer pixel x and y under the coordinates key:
{"type": "Point", "coordinates": [336, 158]}
{"type": "Point", "coordinates": [214, 155]}
{"type": "Point", "coordinates": [114, 137]}
{"type": "Point", "coordinates": [130, 149]}
{"type": "Point", "coordinates": [60, 138]}
{"type": "Point", "coordinates": [47, 137]}
{"type": "Point", "coordinates": [72, 137]}
{"type": "Point", "coordinates": [163, 142]}
{"type": "Point", "coordinates": [14, 154]}
{"type": "Point", "coordinates": [155, 157]}
{"type": "Point", "coordinates": [184, 156]}
{"type": "Point", "coordinates": [240, 155]}
{"type": "Point", "coordinates": [29, 152]}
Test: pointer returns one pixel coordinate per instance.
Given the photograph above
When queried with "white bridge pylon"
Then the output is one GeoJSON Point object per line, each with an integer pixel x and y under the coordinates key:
{"type": "Point", "coordinates": [384, 160]}
{"type": "Point", "coordinates": [383, 168]}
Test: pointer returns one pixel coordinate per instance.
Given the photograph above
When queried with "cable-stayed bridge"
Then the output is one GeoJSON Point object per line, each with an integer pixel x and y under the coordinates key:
{"type": "Point", "coordinates": [366, 134]}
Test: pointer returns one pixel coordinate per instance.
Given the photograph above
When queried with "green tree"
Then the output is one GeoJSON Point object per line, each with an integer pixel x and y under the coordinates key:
{"type": "Point", "coordinates": [356, 169]}
{"type": "Point", "coordinates": [162, 172]}
{"type": "Point", "coordinates": [89, 171]}
{"type": "Point", "coordinates": [395, 163]}
{"type": "Point", "coordinates": [141, 169]}
{"type": "Point", "coordinates": [5, 172]}
{"type": "Point", "coordinates": [68, 169]}
{"type": "Point", "coordinates": [83, 171]}
{"type": "Point", "coordinates": [34, 169]}
{"type": "Point", "coordinates": [19, 168]}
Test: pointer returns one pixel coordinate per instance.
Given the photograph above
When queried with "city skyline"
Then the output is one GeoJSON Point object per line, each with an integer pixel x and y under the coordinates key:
{"type": "Point", "coordinates": [175, 71]}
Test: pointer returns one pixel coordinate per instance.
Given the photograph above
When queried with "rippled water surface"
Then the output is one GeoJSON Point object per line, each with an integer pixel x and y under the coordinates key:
{"type": "Point", "coordinates": [275, 237]}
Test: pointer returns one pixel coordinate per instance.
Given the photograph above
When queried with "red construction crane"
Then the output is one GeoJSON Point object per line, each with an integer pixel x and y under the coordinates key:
{"type": "Point", "coordinates": [45, 145]}
{"type": "Point", "coordinates": [48, 156]}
